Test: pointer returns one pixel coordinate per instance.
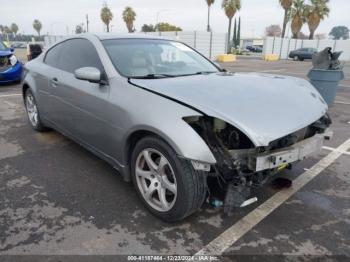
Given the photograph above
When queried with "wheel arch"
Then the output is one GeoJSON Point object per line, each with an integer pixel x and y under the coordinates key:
{"type": "Point", "coordinates": [190, 146]}
{"type": "Point", "coordinates": [136, 136]}
{"type": "Point", "coordinates": [25, 87]}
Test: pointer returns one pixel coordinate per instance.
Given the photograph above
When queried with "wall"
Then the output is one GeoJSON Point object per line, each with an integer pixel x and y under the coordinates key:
{"type": "Point", "coordinates": [282, 46]}
{"type": "Point", "coordinates": [209, 44]}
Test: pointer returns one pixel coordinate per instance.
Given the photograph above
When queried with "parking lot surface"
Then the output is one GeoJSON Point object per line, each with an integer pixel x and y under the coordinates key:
{"type": "Point", "coordinates": [56, 198]}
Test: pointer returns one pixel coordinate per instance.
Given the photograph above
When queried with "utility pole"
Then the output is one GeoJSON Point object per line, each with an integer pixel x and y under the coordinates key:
{"type": "Point", "coordinates": [87, 23]}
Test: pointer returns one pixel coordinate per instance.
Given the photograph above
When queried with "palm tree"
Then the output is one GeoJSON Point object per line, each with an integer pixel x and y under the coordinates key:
{"type": "Point", "coordinates": [7, 31]}
{"type": "Point", "coordinates": [286, 4]}
{"type": "Point", "coordinates": [106, 15]}
{"type": "Point", "coordinates": [2, 29]}
{"type": "Point", "coordinates": [14, 28]}
{"type": "Point", "coordinates": [129, 17]}
{"type": "Point", "coordinates": [297, 15]}
{"type": "Point", "coordinates": [37, 25]}
{"type": "Point", "coordinates": [209, 3]}
{"type": "Point", "coordinates": [314, 13]}
{"type": "Point", "coordinates": [230, 7]}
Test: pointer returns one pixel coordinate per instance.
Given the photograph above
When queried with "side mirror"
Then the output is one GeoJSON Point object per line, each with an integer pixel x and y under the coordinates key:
{"type": "Point", "coordinates": [12, 49]}
{"type": "Point", "coordinates": [90, 74]}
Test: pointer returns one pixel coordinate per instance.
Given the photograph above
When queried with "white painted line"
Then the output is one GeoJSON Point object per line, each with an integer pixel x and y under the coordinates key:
{"type": "Point", "coordinates": [271, 71]}
{"type": "Point", "coordinates": [342, 102]}
{"type": "Point", "coordinates": [10, 95]}
{"type": "Point", "coordinates": [296, 73]}
{"type": "Point", "coordinates": [239, 229]}
{"type": "Point", "coordinates": [334, 149]}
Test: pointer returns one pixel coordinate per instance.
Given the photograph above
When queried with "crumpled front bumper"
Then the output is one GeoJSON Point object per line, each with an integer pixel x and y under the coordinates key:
{"type": "Point", "coordinates": [294, 153]}
{"type": "Point", "coordinates": [11, 74]}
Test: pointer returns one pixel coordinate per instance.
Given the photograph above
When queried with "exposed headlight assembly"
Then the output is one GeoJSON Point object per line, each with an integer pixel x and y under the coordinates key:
{"type": "Point", "coordinates": [13, 60]}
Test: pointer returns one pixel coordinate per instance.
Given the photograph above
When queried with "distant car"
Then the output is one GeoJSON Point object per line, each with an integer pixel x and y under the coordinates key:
{"type": "Point", "coordinates": [18, 45]}
{"type": "Point", "coordinates": [302, 53]}
{"type": "Point", "coordinates": [33, 50]}
{"type": "Point", "coordinates": [167, 117]}
{"type": "Point", "coordinates": [255, 48]}
{"type": "Point", "coordinates": [10, 67]}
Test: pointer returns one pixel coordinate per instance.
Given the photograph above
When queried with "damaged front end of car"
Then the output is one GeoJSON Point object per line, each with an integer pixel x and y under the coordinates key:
{"type": "Point", "coordinates": [242, 166]}
{"type": "Point", "coordinates": [10, 67]}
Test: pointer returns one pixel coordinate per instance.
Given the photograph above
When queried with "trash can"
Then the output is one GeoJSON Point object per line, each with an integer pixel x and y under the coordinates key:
{"type": "Point", "coordinates": [326, 82]}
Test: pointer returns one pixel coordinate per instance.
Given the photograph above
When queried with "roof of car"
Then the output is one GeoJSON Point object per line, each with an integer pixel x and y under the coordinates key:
{"type": "Point", "coordinates": [126, 35]}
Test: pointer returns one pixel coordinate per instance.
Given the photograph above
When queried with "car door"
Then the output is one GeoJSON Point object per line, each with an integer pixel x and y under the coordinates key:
{"type": "Point", "coordinates": [304, 53]}
{"type": "Point", "coordinates": [43, 77]}
{"type": "Point", "coordinates": [79, 107]}
{"type": "Point", "coordinates": [311, 51]}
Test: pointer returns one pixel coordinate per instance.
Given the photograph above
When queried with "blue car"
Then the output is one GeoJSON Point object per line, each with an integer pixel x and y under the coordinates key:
{"type": "Point", "coordinates": [10, 67]}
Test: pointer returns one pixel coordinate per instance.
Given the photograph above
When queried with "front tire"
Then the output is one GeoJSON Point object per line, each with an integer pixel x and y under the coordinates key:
{"type": "Point", "coordinates": [168, 185]}
{"type": "Point", "coordinates": [296, 58]}
{"type": "Point", "coordinates": [33, 112]}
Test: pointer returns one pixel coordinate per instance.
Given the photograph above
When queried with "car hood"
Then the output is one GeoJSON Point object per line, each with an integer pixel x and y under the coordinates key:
{"type": "Point", "coordinates": [264, 107]}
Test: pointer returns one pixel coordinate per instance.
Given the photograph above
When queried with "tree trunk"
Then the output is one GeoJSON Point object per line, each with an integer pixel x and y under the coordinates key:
{"type": "Point", "coordinates": [312, 27]}
{"type": "Point", "coordinates": [285, 22]}
{"type": "Point", "coordinates": [107, 28]}
{"type": "Point", "coordinates": [208, 27]}
{"type": "Point", "coordinates": [312, 33]}
{"type": "Point", "coordinates": [229, 35]}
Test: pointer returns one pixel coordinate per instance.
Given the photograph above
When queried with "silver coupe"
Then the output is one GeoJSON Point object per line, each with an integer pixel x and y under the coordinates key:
{"type": "Point", "coordinates": [170, 120]}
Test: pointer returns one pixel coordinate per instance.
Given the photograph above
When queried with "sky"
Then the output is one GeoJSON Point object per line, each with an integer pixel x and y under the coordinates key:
{"type": "Point", "coordinates": [60, 16]}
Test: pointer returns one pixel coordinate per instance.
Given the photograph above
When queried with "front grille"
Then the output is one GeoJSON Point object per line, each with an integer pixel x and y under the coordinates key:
{"type": "Point", "coordinates": [4, 63]}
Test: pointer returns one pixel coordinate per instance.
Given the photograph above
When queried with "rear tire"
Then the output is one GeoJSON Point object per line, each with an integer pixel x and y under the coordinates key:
{"type": "Point", "coordinates": [33, 112]}
{"type": "Point", "coordinates": [178, 189]}
{"type": "Point", "coordinates": [296, 58]}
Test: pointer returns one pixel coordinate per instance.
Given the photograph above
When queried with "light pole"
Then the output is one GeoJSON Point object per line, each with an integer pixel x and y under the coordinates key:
{"type": "Point", "coordinates": [87, 23]}
{"type": "Point", "coordinates": [158, 13]}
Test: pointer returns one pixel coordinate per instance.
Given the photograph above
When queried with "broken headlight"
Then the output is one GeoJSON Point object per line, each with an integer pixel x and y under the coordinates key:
{"type": "Point", "coordinates": [218, 133]}
{"type": "Point", "coordinates": [13, 60]}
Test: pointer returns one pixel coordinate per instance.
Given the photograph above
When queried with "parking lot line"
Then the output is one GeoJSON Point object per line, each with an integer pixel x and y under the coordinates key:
{"type": "Point", "coordinates": [9, 95]}
{"type": "Point", "coordinates": [334, 149]}
{"type": "Point", "coordinates": [341, 102]}
{"type": "Point", "coordinates": [244, 225]}
{"type": "Point", "coordinates": [271, 71]}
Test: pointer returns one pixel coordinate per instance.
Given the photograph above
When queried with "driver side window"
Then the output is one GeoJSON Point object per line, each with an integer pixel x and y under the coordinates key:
{"type": "Point", "coordinates": [77, 53]}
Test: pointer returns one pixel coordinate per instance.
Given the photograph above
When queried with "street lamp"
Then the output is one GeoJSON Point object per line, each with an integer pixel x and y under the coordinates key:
{"type": "Point", "coordinates": [158, 13]}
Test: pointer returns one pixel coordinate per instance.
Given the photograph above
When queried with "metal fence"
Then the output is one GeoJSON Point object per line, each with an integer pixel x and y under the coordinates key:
{"type": "Point", "coordinates": [210, 44]}
{"type": "Point", "coordinates": [282, 46]}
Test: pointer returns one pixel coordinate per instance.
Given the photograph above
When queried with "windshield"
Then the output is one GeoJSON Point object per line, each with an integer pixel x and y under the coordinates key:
{"type": "Point", "coordinates": [149, 58]}
{"type": "Point", "coordinates": [2, 46]}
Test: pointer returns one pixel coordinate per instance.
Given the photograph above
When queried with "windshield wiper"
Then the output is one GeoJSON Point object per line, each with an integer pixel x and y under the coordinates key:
{"type": "Point", "coordinates": [158, 76]}
{"type": "Point", "coordinates": [205, 72]}
{"type": "Point", "coordinates": [199, 73]}
{"type": "Point", "coordinates": [153, 76]}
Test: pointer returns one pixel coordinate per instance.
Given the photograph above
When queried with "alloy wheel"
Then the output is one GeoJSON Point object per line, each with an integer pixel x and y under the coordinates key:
{"type": "Point", "coordinates": [32, 109]}
{"type": "Point", "coordinates": [156, 179]}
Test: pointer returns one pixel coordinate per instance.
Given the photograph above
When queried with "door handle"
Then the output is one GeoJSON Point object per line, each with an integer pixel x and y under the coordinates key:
{"type": "Point", "coordinates": [54, 82]}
